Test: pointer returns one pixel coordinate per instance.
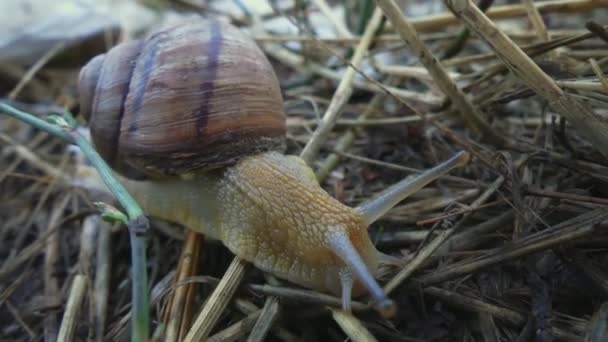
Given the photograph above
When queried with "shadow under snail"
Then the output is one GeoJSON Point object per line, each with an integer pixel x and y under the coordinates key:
{"type": "Point", "coordinates": [192, 119]}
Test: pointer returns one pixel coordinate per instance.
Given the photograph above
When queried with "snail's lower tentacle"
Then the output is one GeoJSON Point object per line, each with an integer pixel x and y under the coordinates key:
{"type": "Point", "coordinates": [342, 246]}
{"type": "Point", "coordinates": [346, 283]}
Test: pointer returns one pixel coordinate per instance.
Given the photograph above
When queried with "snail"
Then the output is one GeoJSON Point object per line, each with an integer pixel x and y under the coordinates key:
{"type": "Point", "coordinates": [191, 118]}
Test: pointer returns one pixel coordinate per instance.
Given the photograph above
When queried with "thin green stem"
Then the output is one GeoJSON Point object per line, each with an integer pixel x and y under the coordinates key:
{"type": "Point", "coordinates": [137, 222]}
{"type": "Point", "coordinates": [138, 228]}
{"type": "Point", "coordinates": [36, 122]}
{"type": "Point", "coordinates": [139, 288]}
{"type": "Point", "coordinates": [105, 172]}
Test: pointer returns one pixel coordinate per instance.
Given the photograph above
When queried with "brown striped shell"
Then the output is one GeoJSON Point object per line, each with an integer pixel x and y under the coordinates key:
{"type": "Point", "coordinates": [193, 96]}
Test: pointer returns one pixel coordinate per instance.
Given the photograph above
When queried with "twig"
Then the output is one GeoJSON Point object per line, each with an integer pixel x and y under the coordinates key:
{"type": "Point", "coordinates": [340, 28]}
{"type": "Point", "coordinates": [536, 20]}
{"type": "Point", "coordinates": [472, 304]}
{"type": "Point", "coordinates": [598, 327]}
{"type": "Point", "coordinates": [599, 73]}
{"type": "Point", "coordinates": [572, 229]}
{"type": "Point", "coordinates": [305, 296]}
{"type": "Point", "coordinates": [180, 307]}
{"type": "Point", "coordinates": [505, 314]}
{"type": "Point", "coordinates": [594, 127]}
{"type": "Point", "coordinates": [217, 302]}
{"type": "Point", "coordinates": [237, 330]}
{"type": "Point", "coordinates": [296, 61]}
{"type": "Point", "coordinates": [51, 260]}
{"type": "Point", "coordinates": [459, 212]}
{"type": "Point", "coordinates": [476, 235]}
{"type": "Point", "coordinates": [101, 287]}
{"type": "Point", "coordinates": [264, 323]}
{"type": "Point", "coordinates": [346, 141]}
{"type": "Point", "coordinates": [15, 313]}
{"type": "Point", "coordinates": [470, 114]}
{"type": "Point", "coordinates": [352, 326]}
{"type": "Point", "coordinates": [442, 20]}
{"type": "Point", "coordinates": [429, 249]}
{"type": "Point", "coordinates": [35, 68]}
{"type": "Point", "coordinates": [72, 311]}
{"type": "Point", "coordinates": [342, 94]}
{"type": "Point", "coordinates": [562, 195]}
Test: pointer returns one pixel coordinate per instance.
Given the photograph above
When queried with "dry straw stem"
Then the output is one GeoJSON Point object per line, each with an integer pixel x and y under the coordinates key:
{"type": "Point", "coordinates": [26, 254]}
{"type": "Point", "coordinates": [392, 38]}
{"type": "Point", "coordinates": [305, 296]}
{"type": "Point", "coordinates": [487, 327]}
{"type": "Point", "coordinates": [352, 326]}
{"type": "Point", "coordinates": [218, 301]}
{"type": "Point", "coordinates": [467, 303]}
{"type": "Point", "coordinates": [598, 327]}
{"type": "Point", "coordinates": [598, 72]}
{"type": "Point", "coordinates": [101, 286]}
{"type": "Point", "coordinates": [51, 267]}
{"type": "Point", "coordinates": [71, 315]}
{"type": "Point", "coordinates": [17, 316]}
{"type": "Point", "coordinates": [298, 62]}
{"type": "Point", "coordinates": [532, 50]}
{"type": "Point", "coordinates": [472, 117]}
{"type": "Point", "coordinates": [476, 305]}
{"type": "Point", "coordinates": [88, 241]}
{"type": "Point", "coordinates": [592, 271]}
{"type": "Point", "coordinates": [25, 153]}
{"type": "Point", "coordinates": [562, 233]}
{"type": "Point", "coordinates": [347, 140]}
{"type": "Point", "coordinates": [589, 123]}
{"type": "Point", "coordinates": [362, 121]}
{"type": "Point", "coordinates": [416, 72]}
{"type": "Point", "coordinates": [536, 20]}
{"type": "Point", "coordinates": [181, 301]}
{"type": "Point", "coordinates": [440, 21]}
{"type": "Point", "coordinates": [34, 69]}
{"type": "Point", "coordinates": [238, 330]}
{"type": "Point", "coordinates": [342, 94]}
{"type": "Point", "coordinates": [338, 24]}
{"type": "Point", "coordinates": [477, 234]}
{"type": "Point", "coordinates": [411, 211]}
{"type": "Point", "coordinates": [425, 253]}
{"type": "Point", "coordinates": [264, 323]}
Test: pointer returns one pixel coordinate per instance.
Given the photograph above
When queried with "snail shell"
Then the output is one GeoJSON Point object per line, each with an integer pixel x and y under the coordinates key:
{"type": "Point", "coordinates": [193, 96]}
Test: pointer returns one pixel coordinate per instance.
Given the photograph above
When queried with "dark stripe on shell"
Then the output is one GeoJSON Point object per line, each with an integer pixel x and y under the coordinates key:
{"type": "Point", "coordinates": [209, 76]}
{"type": "Point", "coordinates": [148, 59]}
{"type": "Point", "coordinates": [121, 112]}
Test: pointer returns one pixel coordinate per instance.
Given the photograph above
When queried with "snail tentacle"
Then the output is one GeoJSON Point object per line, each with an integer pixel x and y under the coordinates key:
{"type": "Point", "coordinates": [389, 197]}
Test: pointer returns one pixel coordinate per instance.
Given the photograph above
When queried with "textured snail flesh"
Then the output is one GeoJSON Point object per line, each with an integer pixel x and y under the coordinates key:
{"type": "Point", "coordinates": [199, 98]}
{"type": "Point", "coordinates": [261, 210]}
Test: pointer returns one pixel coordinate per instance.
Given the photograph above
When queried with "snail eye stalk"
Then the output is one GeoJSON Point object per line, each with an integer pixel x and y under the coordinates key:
{"type": "Point", "coordinates": [388, 198]}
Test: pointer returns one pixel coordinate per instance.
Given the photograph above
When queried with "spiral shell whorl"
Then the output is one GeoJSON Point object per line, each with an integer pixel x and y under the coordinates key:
{"type": "Point", "coordinates": [193, 96]}
{"type": "Point", "coordinates": [87, 82]}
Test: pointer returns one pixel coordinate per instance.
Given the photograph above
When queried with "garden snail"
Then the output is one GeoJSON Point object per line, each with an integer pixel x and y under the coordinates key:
{"type": "Point", "coordinates": [192, 117]}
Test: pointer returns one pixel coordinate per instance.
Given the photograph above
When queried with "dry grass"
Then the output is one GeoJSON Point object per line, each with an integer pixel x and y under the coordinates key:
{"type": "Point", "coordinates": [510, 248]}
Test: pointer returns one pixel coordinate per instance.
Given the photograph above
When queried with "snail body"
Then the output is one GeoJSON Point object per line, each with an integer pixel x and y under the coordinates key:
{"type": "Point", "coordinates": [249, 208]}
{"type": "Point", "coordinates": [191, 118]}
